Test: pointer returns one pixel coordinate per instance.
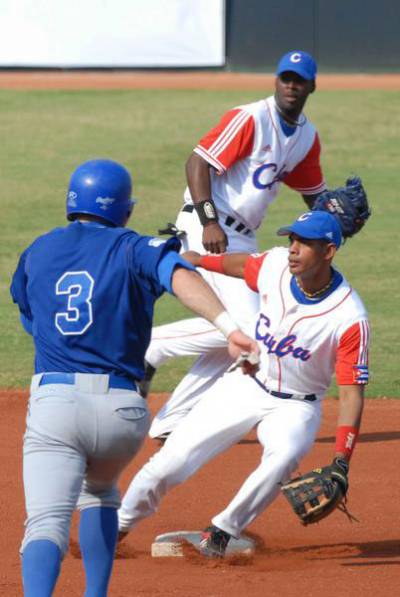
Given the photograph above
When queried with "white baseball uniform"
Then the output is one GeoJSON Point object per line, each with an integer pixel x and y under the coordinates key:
{"type": "Point", "coordinates": [302, 343]}
{"type": "Point", "coordinates": [251, 151]}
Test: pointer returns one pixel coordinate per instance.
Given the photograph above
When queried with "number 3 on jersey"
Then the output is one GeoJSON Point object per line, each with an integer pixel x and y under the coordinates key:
{"type": "Point", "coordinates": [78, 316]}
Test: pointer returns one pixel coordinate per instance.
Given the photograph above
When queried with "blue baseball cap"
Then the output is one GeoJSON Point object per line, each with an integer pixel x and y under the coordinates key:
{"type": "Point", "coordinates": [298, 62]}
{"type": "Point", "coordinates": [318, 225]}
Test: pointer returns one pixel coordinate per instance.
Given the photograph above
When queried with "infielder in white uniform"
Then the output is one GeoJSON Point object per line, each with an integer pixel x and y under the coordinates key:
{"type": "Point", "coordinates": [233, 175]}
{"type": "Point", "coordinates": [310, 324]}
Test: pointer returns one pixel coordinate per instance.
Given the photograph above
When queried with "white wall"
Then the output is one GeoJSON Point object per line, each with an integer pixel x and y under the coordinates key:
{"type": "Point", "coordinates": [112, 33]}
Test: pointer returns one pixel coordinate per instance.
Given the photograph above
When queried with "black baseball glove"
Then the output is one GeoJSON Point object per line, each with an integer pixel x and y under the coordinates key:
{"type": "Point", "coordinates": [348, 204]}
{"type": "Point", "coordinates": [315, 495]}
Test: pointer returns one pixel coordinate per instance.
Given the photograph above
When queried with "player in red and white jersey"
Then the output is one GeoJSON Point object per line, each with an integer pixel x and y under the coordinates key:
{"type": "Point", "coordinates": [252, 152]}
{"type": "Point", "coordinates": [321, 334]}
{"type": "Point", "coordinates": [233, 174]}
{"type": "Point", "coordinates": [310, 324]}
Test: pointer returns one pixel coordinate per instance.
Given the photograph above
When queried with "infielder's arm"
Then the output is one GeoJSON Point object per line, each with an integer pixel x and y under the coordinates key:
{"type": "Point", "coordinates": [198, 179]}
{"type": "Point", "coordinates": [193, 292]}
{"type": "Point", "coordinates": [352, 375]}
{"type": "Point", "coordinates": [230, 264]}
{"type": "Point", "coordinates": [351, 404]}
{"type": "Point", "coordinates": [230, 141]}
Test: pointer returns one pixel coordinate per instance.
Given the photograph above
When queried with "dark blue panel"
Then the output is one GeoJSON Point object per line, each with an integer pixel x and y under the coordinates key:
{"type": "Point", "coordinates": [359, 35]}
{"type": "Point", "coordinates": [343, 35]}
{"type": "Point", "coordinates": [259, 32]}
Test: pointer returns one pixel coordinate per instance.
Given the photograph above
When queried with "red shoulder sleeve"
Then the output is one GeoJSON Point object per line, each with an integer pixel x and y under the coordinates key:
{"type": "Point", "coordinates": [231, 140]}
{"type": "Point", "coordinates": [252, 269]}
{"type": "Point", "coordinates": [352, 355]}
{"type": "Point", "coordinates": [307, 177]}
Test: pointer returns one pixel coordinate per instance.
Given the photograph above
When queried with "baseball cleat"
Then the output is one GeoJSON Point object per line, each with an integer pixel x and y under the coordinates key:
{"type": "Point", "coordinates": [213, 542]}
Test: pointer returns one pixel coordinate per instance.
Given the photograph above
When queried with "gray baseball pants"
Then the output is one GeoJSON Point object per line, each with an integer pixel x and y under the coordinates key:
{"type": "Point", "coordinates": [78, 440]}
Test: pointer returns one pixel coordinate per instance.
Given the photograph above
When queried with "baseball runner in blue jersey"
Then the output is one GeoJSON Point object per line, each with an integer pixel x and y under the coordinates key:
{"type": "Point", "coordinates": [86, 294]}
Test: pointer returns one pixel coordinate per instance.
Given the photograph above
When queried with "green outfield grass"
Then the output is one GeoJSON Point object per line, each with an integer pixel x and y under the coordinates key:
{"type": "Point", "coordinates": [46, 134]}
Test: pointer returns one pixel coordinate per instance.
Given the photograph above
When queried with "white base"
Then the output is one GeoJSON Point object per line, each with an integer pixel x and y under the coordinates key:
{"type": "Point", "coordinates": [170, 544]}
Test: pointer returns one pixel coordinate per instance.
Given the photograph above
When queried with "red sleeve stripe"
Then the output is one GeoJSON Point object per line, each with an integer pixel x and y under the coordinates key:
{"type": "Point", "coordinates": [364, 342]}
{"type": "Point", "coordinates": [209, 158]}
{"type": "Point", "coordinates": [228, 133]}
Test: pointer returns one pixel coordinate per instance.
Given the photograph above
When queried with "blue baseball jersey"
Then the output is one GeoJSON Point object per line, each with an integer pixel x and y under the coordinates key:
{"type": "Point", "coordinates": [86, 292]}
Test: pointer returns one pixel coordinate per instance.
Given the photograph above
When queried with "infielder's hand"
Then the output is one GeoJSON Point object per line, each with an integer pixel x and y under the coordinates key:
{"type": "Point", "coordinates": [192, 257]}
{"type": "Point", "coordinates": [214, 238]}
{"type": "Point", "coordinates": [241, 347]}
{"type": "Point", "coordinates": [249, 362]}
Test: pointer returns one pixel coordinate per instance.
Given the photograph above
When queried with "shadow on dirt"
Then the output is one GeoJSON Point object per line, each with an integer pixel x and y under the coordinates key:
{"type": "Point", "coordinates": [379, 436]}
{"type": "Point", "coordinates": [371, 553]}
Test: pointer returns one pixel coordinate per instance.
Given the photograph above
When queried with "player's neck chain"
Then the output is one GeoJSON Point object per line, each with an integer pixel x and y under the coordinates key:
{"type": "Point", "coordinates": [291, 121]}
{"type": "Point", "coordinates": [317, 293]}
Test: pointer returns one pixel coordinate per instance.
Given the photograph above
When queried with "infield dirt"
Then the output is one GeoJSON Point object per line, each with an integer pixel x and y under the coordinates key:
{"type": "Point", "coordinates": [335, 558]}
{"type": "Point", "coordinates": [180, 80]}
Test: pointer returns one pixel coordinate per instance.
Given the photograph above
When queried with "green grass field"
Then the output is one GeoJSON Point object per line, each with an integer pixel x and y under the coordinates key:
{"type": "Point", "coordinates": [46, 134]}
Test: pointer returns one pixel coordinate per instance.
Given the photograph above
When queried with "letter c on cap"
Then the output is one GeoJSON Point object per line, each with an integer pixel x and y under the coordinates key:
{"type": "Point", "coordinates": [304, 216]}
{"type": "Point", "coordinates": [296, 57]}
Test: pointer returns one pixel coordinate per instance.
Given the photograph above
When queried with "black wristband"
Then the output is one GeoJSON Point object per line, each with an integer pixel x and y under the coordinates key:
{"type": "Point", "coordinates": [206, 211]}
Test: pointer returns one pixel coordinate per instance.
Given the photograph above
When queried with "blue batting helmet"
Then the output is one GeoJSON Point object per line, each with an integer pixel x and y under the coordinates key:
{"type": "Point", "coordinates": [101, 188]}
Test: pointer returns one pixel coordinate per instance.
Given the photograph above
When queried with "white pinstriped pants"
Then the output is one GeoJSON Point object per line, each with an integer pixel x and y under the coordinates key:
{"type": "Point", "coordinates": [196, 336]}
{"type": "Point", "coordinates": [228, 411]}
